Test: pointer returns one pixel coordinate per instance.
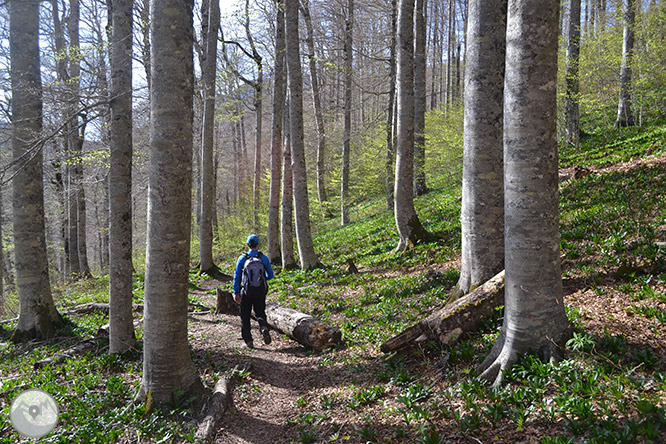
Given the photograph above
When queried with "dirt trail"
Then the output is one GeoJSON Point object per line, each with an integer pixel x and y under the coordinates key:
{"type": "Point", "coordinates": [281, 373]}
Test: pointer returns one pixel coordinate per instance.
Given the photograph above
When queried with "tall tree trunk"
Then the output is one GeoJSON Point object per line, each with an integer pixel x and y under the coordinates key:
{"type": "Point", "coordinates": [287, 208]}
{"type": "Point", "coordinates": [144, 27]}
{"type": "Point", "coordinates": [319, 114]}
{"type": "Point", "coordinates": [121, 322]}
{"type": "Point", "coordinates": [409, 226]}
{"type": "Point", "coordinates": [208, 141]}
{"type": "Point", "coordinates": [258, 107]}
{"type": "Point", "coordinates": [624, 113]}
{"type": "Point", "coordinates": [346, 129]}
{"type": "Point", "coordinates": [167, 365]}
{"type": "Point", "coordinates": [482, 212]}
{"type": "Point", "coordinates": [276, 140]}
{"type": "Point", "coordinates": [38, 317]}
{"type": "Point", "coordinates": [420, 187]}
{"type": "Point", "coordinates": [390, 110]}
{"type": "Point", "coordinates": [2, 261]}
{"type": "Point", "coordinates": [436, 48]}
{"type": "Point", "coordinates": [76, 137]}
{"type": "Point", "coordinates": [571, 109]}
{"type": "Point", "coordinates": [534, 316]}
{"type": "Point", "coordinates": [306, 252]}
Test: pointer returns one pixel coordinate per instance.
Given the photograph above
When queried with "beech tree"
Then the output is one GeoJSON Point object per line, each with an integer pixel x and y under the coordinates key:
{"type": "Point", "coordinates": [308, 257]}
{"type": "Point", "coordinates": [319, 114]}
{"type": "Point", "coordinates": [625, 116]}
{"type": "Point", "coordinates": [276, 140]}
{"type": "Point", "coordinates": [390, 110]}
{"type": "Point", "coordinates": [346, 128]}
{"type": "Point", "coordinates": [287, 205]}
{"type": "Point", "coordinates": [167, 365]}
{"type": "Point", "coordinates": [420, 34]}
{"type": "Point", "coordinates": [207, 182]}
{"type": "Point", "coordinates": [482, 210]}
{"type": "Point", "coordinates": [571, 106]}
{"type": "Point", "coordinates": [121, 322]}
{"type": "Point", "coordinates": [409, 226]}
{"type": "Point", "coordinates": [534, 316]}
{"type": "Point", "coordinates": [38, 317]}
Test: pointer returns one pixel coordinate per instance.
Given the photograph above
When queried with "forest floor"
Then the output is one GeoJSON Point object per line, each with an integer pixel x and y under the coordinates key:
{"type": "Point", "coordinates": [290, 389]}
{"type": "Point", "coordinates": [287, 382]}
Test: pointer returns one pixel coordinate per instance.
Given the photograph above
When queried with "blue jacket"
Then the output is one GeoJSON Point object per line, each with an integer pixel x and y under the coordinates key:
{"type": "Point", "coordinates": [238, 274]}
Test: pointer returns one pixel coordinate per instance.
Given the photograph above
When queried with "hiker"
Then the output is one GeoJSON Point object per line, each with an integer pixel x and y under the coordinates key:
{"type": "Point", "coordinates": [253, 270]}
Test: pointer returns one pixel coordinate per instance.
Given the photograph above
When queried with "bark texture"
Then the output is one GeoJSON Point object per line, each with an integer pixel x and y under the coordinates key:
{"type": "Point", "coordinates": [208, 141]}
{"type": "Point", "coordinates": [303, 328]}
{"type": "Point", "coordinates": [38, 317]}
{"type": "Point", "coordinates": [420, 8]}
{"type": "Point", "coordinates": [276, 141]}
{"type": "Point", "coordinates": [306, 252]}
{"type": "Point", "coordinates": [625, 116]}
{"type": "Point", "coordinates": [287, 205]}
{"type": "Point", "coordinates": [409, 226]}
{"type": "Point", "coordinates": [319, 114]}
{"type": "Point", "coordinates": [167, 365]}
{"type": "Point", "coordinates": [534, 316]}
{"type": "Point", "coordinates": [452, 321]}
{"type": "Point", "coordinates": [571, 108]}
{"type": "Point", "coordinates": [346, 127]}
{"type": "Point", "coordinates": [121, 328]}
{"type": "Point", "coordinates": [482, 211]}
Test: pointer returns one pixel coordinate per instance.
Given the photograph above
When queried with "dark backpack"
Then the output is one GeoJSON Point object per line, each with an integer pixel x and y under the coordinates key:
{"type": "Point", "coordinates": [254, 275]}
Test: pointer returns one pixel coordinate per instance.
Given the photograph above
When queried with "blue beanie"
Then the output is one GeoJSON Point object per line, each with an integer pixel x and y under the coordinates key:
{"type": "Point", "coordinates": [252, 240]}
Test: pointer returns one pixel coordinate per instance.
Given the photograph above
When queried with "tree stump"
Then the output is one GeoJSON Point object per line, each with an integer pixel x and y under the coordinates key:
{"type": "Point", "coordinates": [225, 302]}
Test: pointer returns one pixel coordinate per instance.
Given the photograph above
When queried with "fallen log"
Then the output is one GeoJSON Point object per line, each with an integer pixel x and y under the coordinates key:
{"type": "Point", "coordinates": [217, 404]}
{"type": "Point", "coordinates": [303, 328]}
{"type": "Point", "coordinates": [446, 324]}
{"type": "Point", "coordinates": [84, 346]}
{"type": "Point", "coordinates": [95, 307]}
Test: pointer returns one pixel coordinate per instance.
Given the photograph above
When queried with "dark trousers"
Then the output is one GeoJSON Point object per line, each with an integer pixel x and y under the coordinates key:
{"type": "Point", "coordinates": [251, 301]}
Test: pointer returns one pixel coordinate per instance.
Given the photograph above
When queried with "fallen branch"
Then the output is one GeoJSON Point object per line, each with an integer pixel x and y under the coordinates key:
{"type": "Point", "coordinates": [86, 345]}
{"type": "Point", "coordinates": [446, 324]}
{"type": "Point", "coordinates": [96, 307]}
{"type": "Point", "coordinates": [217, 404]}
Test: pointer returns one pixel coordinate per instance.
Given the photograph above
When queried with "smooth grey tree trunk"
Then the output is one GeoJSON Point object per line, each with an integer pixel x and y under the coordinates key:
{"type": "Point", "coordinates": [207, 184]}
{"type": "Point", "coordinates": [409, 226]}
{"type": "Point", "coordinates": [167, 365]}
{"type": "Point", "coordinates": [482, 210]}
{"type": "Point", "coordinates": [287, 206]}
{"type": "Point", "coordinates": [306, 252]}
{"type": "Point", "coordinates": [76, 137]}
{"type": "Point", "coordinates": [420, 186]}
{"type": "Point", "coordinates": [571, 106]}
{"type": "Point", "coordinates": [121, 322]}
{"type": "Point", "coordinates": [390, 111]}
{"type": "Point", "coordinates": [274, 254]}
{"type": "Point", "coordinates": [534, 316]}
{"type": "Point", "coordinates": [624, 114]}
{"type": "Point", "coordinates": [319, 114]}
{"type": "Point", "coordinates": [346, 126]}
{"type": "Point", "coordinates": [38, 317]}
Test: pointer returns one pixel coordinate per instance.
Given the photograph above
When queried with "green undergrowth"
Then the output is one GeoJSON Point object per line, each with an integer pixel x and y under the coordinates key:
{"type": "Point", "coordinates": [610, 388]}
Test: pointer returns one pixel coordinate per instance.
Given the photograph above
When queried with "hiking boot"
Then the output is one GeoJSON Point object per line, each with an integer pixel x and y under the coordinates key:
{"type": "Point", "coordinates": [267, 335]}
{"type": "Point", "coordinates": [249, 344]}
